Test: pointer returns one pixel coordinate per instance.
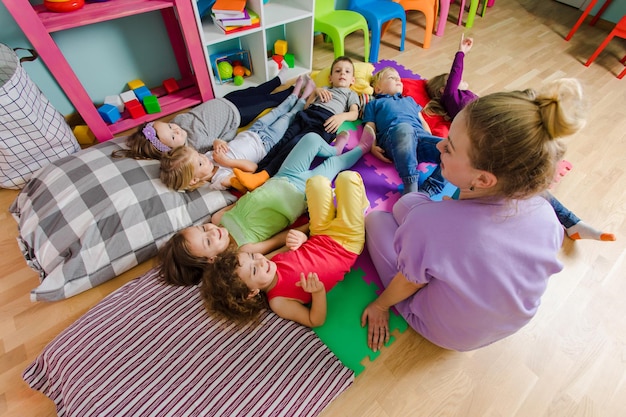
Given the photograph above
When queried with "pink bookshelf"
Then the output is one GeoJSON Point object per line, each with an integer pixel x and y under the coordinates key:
{"type": "Point", "coordinates": [37, 23]}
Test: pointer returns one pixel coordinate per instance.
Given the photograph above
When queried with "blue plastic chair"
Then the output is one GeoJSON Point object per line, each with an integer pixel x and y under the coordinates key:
{"type": "Point", "coordinates": [337, 24]}
{"type": "Point", "coordinates": [377, 12]}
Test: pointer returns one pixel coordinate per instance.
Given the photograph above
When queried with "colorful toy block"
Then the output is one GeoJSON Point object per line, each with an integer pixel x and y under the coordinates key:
{"type": "Point", "coordinates": [115, 101]}
{"type": "Point", "coordinates": [290, 60]}
{"type": "Point", "coordinates": [170, 85]}
{"type": "Point", "coordinates": [280, 47]}
{"type": "Point", "coordinates": [135, 109]}
{"type": "Point", "coordinates": [142, 92]}
{"type": "Point", "coordinates": [109, 113]}
{"type": "Point", "coordinates": [135, 84]}
{"type": "Point", "coordinates": [279, 60]}
{"type": "Point", "coordinates": [151, 104]}
{"type": "Point", "coordinates": [84, 135]}
{"type": "Point", "coordinates": [127, 96]}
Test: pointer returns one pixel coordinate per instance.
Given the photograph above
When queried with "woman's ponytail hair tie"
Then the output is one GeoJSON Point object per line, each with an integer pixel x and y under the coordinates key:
{"type": "Point", "coordinates": [150, 133]}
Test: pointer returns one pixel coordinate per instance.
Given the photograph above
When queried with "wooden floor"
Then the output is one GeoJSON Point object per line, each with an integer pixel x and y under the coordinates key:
{"type": "Point", "coordinates": [569, 361]}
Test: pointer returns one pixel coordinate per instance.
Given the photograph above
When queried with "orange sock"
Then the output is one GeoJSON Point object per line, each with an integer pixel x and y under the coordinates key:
{"type": "Point", "coordinates": [234, 182]}
{"type": "Point", "coordinates": [251, 181]}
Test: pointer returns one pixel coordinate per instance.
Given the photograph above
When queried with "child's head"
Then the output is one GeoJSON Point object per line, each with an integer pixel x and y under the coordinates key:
{"type": "Point", "coordinates": [342, 72]}
{"type": "Point", "coordinates": [512, 138]}
{"type": "Point", "coordinates": [233, 285]}
{"type": "Point", "coordinates": [387, 81]}
{"type": "Point", "coordinates": [186, 254]}
{"type": "Point", "coordinates": [434, 88]}
{"type": "Point", "coordinates": [153, 139]}
{"type": "Point", "coordinates": [185, 169]}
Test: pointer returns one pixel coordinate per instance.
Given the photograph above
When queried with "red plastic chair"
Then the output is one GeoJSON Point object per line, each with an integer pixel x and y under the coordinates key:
{"type": "Point", "coordinates": [621, 74]}
{"type": "Point", "coordinates": [619, 30]}
{"type": "Point", "coordinates": [582, 18]}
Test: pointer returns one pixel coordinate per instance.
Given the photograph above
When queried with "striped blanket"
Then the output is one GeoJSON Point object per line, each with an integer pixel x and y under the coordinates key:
{"type": "Point", "coordinates": [149, 349]}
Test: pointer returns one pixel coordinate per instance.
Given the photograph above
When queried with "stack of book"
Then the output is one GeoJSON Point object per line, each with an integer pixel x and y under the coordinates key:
{"type": "Point", "coordinates": [232, 16]}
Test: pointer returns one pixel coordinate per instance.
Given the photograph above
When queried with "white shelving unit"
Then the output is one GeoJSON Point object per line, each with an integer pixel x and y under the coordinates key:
{"type": "Point", "coordinates": [290, 20]}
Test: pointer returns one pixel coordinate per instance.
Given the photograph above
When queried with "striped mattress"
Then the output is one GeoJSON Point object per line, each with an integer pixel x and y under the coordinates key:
{"type": "Point", "coordinates": [149, 349]}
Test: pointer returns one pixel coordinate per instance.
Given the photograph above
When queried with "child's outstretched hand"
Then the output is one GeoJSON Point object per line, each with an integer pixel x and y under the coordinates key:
{"type": "Point", "coordinates": [379, 153]}
{"type": "Point", "coordinates": [220, 146]}
{"type": "Point", "coordinates": [324, 94]}
{"type": "Point", "coordinates": [466, 44]}
{"type": "Point", "coordinates": [311, 283]}
{"type": "Point", "coordinates": [295, 239]}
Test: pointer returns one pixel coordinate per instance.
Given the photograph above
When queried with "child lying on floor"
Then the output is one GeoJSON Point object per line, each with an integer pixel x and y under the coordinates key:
{"type": "Point", "coordinates": [328, 109]}
{"type": "Point", "coordinates": [218, 118]}
{"type": "Point", "coordinates": [239, 285]}
{"type": "Point", "coordinates": [255, 223]}
{"type": "Point", "coordinates": [183, 168]}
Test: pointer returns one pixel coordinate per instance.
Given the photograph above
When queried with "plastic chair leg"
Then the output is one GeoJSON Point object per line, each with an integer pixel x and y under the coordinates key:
{"type": "Point", "coordinates": [461, 11]}
{"type": "Point", "coordinates": [580, 20]}
{"type": "Point", "coordinates": [471, 14]}
{"type": "Point", "coordinates": [600, 48]}
{"type": "Point", "coordinates": [444, 9]}
{"type": "Point", "coordinates": [366, 45]}
{"type": "Point", "coordinates": [403, 34]}
{"type": "Point", "coordinates": [375, 44]}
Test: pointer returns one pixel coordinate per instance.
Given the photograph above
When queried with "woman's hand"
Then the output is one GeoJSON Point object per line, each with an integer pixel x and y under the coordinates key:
{"type": "Point", "coordinates": [377, 320]}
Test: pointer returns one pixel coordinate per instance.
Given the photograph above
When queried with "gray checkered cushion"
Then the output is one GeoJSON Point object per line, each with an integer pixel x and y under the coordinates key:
{"type": "Point", "coordinates": [88, 217]}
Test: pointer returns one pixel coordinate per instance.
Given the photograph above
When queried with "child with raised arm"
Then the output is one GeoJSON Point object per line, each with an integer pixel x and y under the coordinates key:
{"type": "Point", "coordinates": [402, 135]}
{"type": "Point", "coordinates": [184, 168]}
{"type": "Point", "coordinates": [255, 223]}
{"type": "Point", "coordinates": [239, 285]}
{"type": "Point", "coordinates": [450, 94]}
{"type": "Point", "coordinates": [327, 109]}
{"type": "Point", "coordinates": [218, 118]}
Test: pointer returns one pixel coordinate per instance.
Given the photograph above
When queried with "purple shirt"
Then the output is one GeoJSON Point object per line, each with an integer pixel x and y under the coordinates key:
{"type": "Point", "coordinates": [453, 99]}
{"type": "Point", "coordinates": [486, 266]}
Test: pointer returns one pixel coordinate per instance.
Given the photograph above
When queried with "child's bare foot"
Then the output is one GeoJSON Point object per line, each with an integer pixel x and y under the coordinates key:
{"type": "Point", "coordinates": [297, 87]}
{"type": "Point", "coordinates": [308, 88]}
{"type": "Point", "coordinates": [249, 180]}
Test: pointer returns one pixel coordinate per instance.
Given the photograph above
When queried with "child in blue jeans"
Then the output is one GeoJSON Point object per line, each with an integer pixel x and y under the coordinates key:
{"type": "Point", "coordinates": [402, 135]}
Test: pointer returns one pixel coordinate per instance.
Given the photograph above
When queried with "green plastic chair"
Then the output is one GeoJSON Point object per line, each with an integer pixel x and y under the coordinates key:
{"type": "Point", "coordinates": [337, 24]}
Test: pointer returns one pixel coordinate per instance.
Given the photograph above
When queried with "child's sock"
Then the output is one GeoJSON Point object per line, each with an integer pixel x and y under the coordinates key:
{"type": "Point", "coordinates": [234, 182]}
{"type": "Point", "coordinates": [367, 139]}
{"type": "Point", "coordinates": [298, 86]}
{"type": "Point", "coordinates": [308, 88]}
{"type": "Point", "coordinates": [249, 180]}
{"type": "Point", "coordinates": [409, 187]}
{"type": "Point", "coordinates": [341, 141]}
{"type": "Point", "coordinates": [282, 72]}
{"type": "Point", "coordinates": [582, 230]}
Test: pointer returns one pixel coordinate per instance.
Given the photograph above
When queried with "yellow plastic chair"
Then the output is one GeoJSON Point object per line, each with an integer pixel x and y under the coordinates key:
{"type": "Point", "coordinates": [337, 24]}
